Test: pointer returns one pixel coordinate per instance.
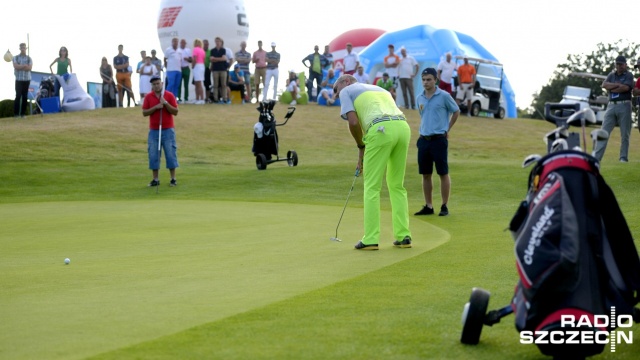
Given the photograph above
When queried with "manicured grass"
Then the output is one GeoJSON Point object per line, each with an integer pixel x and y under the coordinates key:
{"type": "Point", "coordinates": [149, 263]}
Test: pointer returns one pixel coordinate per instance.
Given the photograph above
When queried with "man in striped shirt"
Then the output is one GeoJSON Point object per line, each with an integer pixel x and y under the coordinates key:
{"type": "Point", "coordinates": [22, 69]}
{"type": "Point", "coordinates": [243, 58]}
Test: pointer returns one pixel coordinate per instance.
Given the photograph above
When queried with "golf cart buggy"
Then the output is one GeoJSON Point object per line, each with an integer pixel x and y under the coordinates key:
{"type": "Point", "coordinates": [488, 88]}
{"type": "Point", "coordinates": [576, 98]}
{"type": "Point", "coordinates": [265, 137]}
{"type": "Point", "coordinates": [576, 260]}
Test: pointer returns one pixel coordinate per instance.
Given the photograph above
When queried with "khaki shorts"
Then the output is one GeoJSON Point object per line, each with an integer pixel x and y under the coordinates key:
{"type": "Point", "coordinates": [124, 79]}
{"type": "Point", "coordinates": [260, 76]}
{"type": "Point", "coordinates": [465, 91]}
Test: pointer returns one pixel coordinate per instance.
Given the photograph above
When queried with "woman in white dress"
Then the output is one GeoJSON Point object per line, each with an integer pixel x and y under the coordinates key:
{"type": "Point", "coordinates": [147, 70]}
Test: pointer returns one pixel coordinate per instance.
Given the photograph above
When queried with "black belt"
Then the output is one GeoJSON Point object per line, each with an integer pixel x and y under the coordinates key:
{"type": "Point", "coordinates": [434, 136]}
{"type": "Point", "coordinates": [619, 101]}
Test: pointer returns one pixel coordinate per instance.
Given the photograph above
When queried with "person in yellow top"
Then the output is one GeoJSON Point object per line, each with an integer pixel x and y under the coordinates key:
{"type": "Point", "coordinates": [382, 135]}
{"type": "Point", "coordinates": [467, 82]}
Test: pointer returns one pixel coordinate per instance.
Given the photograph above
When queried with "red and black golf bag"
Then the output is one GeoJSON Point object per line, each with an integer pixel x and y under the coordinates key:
{"type": "Point", "coordinates": [574, 253]}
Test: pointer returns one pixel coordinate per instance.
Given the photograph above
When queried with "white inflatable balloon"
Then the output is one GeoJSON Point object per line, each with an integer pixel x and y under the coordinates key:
{"type": "Point", "coordinates": [203, 19]}
{"type": "Point", "coordinates": [7, 56]}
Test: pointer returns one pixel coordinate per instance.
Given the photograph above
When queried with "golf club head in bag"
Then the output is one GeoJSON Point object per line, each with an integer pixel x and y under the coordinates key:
{"type": "Point", "coordinates": [598, 135]}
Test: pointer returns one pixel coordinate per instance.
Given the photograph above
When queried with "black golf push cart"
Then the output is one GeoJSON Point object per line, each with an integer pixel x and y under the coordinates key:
{"type": "Point", "coordinates": [265, 137]}
{"type": "Point", "coordinates": [578, 267]}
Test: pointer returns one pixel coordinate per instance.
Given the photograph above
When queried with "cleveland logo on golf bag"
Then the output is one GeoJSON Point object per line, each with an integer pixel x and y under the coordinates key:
{"type": "Point", "coordinates": [576, 261]}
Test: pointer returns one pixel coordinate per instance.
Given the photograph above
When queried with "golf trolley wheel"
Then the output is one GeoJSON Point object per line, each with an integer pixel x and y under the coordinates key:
{"type": "Point", "coordinates": [473, 316]}
{"type": "Point", "coordinates": [475, 109]}
{"type": "Point", "coordinates": [500, 114]}
{"type": "Point", "coordinates": [261, 162]}
{"type": "Point", "coordinates": [292, 158]}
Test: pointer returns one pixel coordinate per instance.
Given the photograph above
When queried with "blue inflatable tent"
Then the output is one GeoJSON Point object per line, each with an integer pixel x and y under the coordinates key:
{"type": "Point", "coordinates": [428, 46]}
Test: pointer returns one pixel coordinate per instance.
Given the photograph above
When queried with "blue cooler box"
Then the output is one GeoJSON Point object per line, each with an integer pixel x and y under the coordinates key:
{"type": "Point", "coordinates": [50, 105]}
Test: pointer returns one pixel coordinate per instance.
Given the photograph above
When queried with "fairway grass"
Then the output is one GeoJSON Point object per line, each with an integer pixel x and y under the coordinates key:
{"type": "Point", "coordinates": [151, 277]}
{"type": "Point", "coordinates": [236, 263]}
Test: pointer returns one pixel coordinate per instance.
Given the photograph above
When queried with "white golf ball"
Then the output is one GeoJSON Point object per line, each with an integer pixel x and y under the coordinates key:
{"type": "Point", "coordinates": [67, 261]}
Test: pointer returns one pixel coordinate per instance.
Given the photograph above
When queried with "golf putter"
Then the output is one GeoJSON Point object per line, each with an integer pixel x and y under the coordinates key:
{"type": "Point", "coordinates": [336, 238]}
{"type": "Point", "coordinates": [160, 138]}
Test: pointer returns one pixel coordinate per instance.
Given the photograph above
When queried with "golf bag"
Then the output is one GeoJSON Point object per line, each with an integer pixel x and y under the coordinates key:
{"type": "Point", "coordinates": [574, 252]}
{"type": "Point", "coordinates": [46, 89]}
{"type": "Point", "coordinates": [265, 136]}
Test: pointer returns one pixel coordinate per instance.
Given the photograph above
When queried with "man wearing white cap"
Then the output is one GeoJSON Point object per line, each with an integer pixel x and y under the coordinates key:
{"type": "Point", "coordinates": [273, 59]}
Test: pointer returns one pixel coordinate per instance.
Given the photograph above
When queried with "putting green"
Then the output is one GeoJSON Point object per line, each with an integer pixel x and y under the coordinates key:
{"type": "Point", "coordinates": [144, 269]}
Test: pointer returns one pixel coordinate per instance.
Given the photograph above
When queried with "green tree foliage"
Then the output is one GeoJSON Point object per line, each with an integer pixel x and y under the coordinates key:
{"type": "Point", "coordinates": [600, 61]}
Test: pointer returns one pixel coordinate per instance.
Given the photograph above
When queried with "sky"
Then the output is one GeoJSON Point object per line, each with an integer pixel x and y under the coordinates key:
{"type": "Point", "coordinates": [529, 37]}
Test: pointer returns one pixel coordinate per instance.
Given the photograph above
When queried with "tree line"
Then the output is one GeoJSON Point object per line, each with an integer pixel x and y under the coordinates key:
{"type": "Point", "coordinates": [600, 61]}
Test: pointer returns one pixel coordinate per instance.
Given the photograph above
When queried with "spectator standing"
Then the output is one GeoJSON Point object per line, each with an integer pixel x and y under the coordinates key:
{"type": "Point", "coordinates": [243, 59]}
{"type": "Point", "coordinates": [391, 62]}
{"type": "Point", "coordinates": [198, 56]}
{"type": "Point", "coordinates": [160, 106]}
{"type": "Point", "coordinates": [185, 69]}
{"type": "Point", "coordinates": [329, 56]}
{"type": "Point", "coordinates": [64, 67]}
{"type": "Point", "coordinates": [141, 85]}
{"type": "Point", "coordinates": [361, 76]}
{"type": "Point", "coordinates": [386, 83]}
{"type": "Point", "coordinates": [467, 80]}
{"type": "Point", "coordinates": [445, 69]}
{"type": "Point", "coordinates": [351, 61]}
{"type": "Point", "coordinates": [155, 61]}
{"type": "Point", "coordinates": [172, 62]}
{"type": "Point", "coordinates": [207, 70]}
{"type": "Point", "coordinates": [219, 71]}
{"type": "Point", "coordinates": [273, 59]}
{"type": "Point", "coordinates": [147, 70]}
{"type": "Point", "coordinates": [619, 84]}
{"type": "Point", "coordinates": [407, 70]}
{"type": "Point", "coordinates": [260, 60]}
{"type": "Point", "coordinates": [382, 135]}
{"type": "Point", "coordinates": [22, 65]}
{"type": "Point", "coordinates": [108, 85]}
{"type": "Point", "coordinates": [317, 62]}
{"type": "Point", "coordinates": [636, 92]}
{"type": "Point", "coordinates": [123, 76]}
{"type": "Point", "coordinates": [438, 113]}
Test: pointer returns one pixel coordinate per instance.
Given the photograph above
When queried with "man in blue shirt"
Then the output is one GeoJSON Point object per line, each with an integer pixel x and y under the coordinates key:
{"type": "Point", "coordinates": [438, 113]}
{"type": "Point", "coordinates": [236, 80]}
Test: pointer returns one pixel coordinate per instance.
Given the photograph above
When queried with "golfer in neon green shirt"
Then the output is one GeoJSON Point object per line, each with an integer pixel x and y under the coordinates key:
{"type": "Point", "coordinates": [382, 135]}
